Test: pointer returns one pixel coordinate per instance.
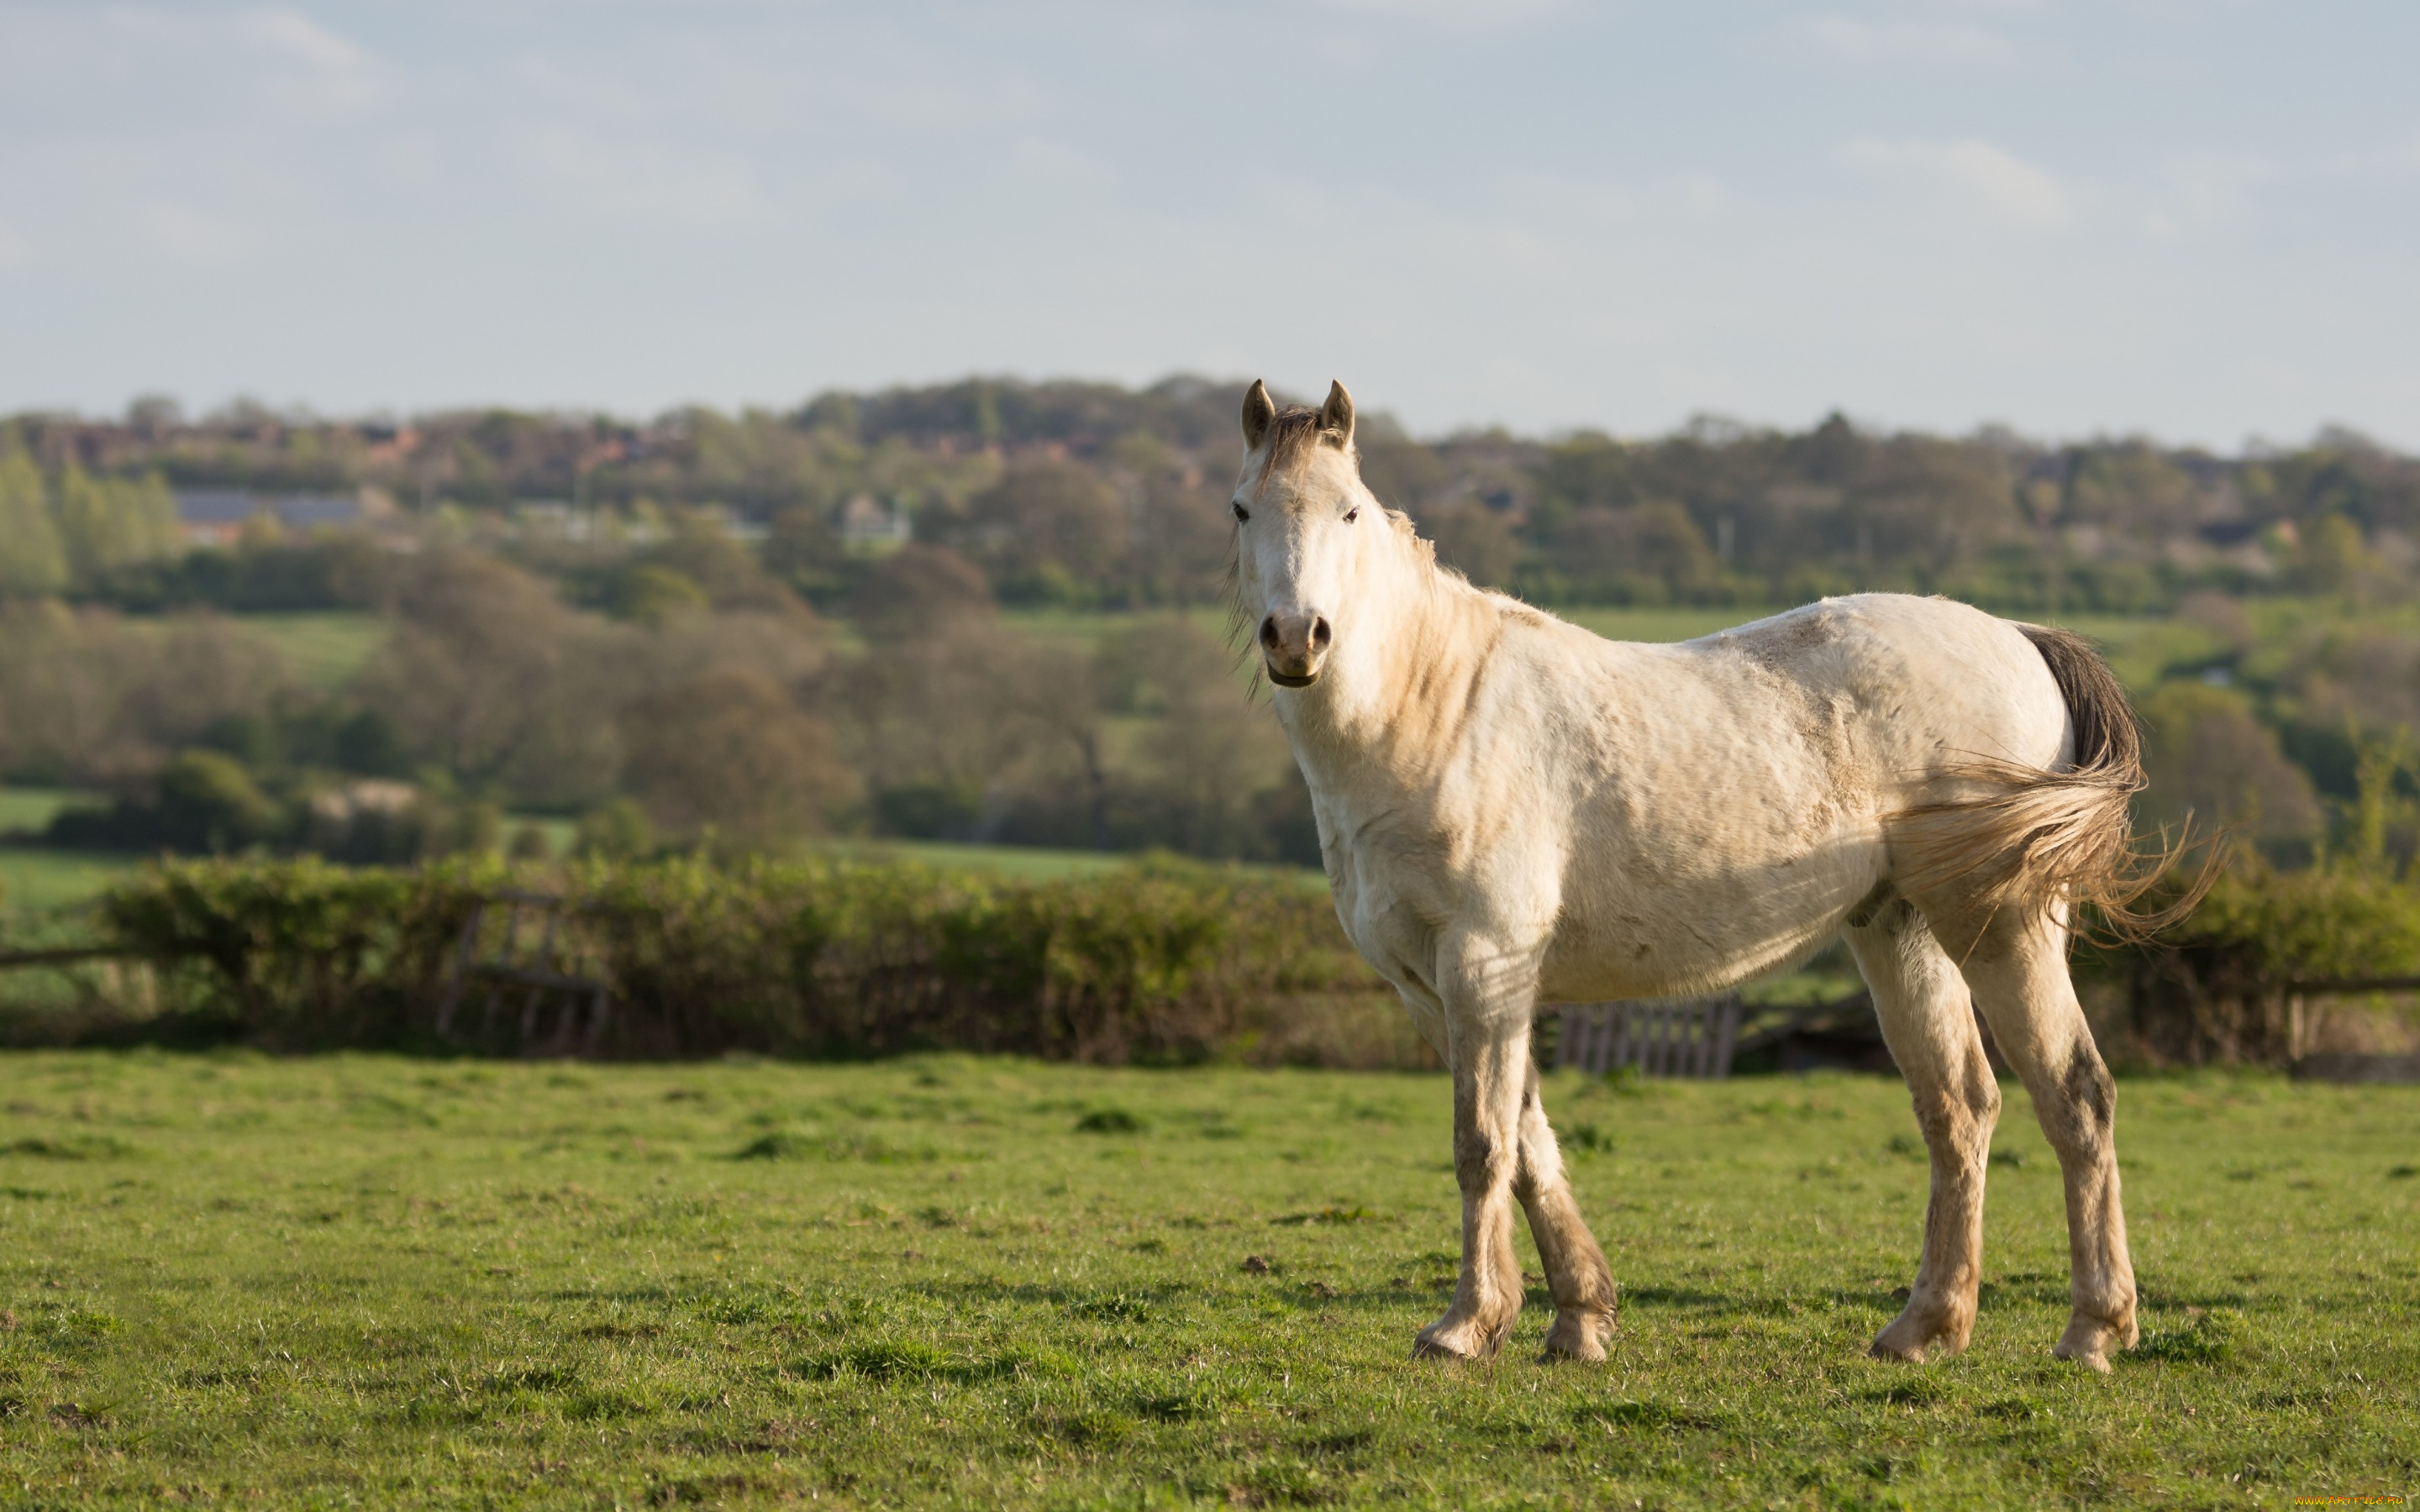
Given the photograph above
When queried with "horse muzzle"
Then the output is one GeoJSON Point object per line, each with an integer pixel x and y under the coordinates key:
{"type": "Point", "coordinates": [1292, 646]}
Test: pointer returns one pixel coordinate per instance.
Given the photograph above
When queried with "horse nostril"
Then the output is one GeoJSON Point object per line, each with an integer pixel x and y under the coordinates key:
{"type": "Point", "coordinates": [1269, 632]}
{"type": "Point", "coordinates": [1321, 634]}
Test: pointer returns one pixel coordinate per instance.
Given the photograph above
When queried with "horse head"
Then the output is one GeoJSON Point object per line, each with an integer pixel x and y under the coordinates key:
{"type": "Point", "coordinates": [1308, 536]}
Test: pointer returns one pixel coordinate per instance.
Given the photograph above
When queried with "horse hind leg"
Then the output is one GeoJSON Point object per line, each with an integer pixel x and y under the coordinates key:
{"type": "Point", "coordinates": [1577, 1274]}
{"type": "Point", "coordinates": [1927, 1020]}
{"type": "Point", "coordinates": [2019, 970]}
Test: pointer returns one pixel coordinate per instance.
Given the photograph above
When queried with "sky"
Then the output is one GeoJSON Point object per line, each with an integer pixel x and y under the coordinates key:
{"type": "Point", "coordinates": [2197, 220]}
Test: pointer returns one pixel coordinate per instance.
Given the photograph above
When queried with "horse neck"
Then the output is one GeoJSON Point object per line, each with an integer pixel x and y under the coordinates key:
{"type": "Point", "coordinates": [1395, 691]}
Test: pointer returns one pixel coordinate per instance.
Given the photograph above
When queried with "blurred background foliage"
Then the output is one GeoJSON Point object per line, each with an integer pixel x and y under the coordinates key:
{"type": "Point", "coordinates": [992, 612]}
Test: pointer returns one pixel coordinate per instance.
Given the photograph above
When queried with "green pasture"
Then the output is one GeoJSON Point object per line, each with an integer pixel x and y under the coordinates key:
{"type": "Point", "coordinates": [325, 649]}
{"type": "Point", "coordinates": [1032, 863]}
{"type": "Point", "coordinates": [365, 1281]}
{"type": "Point", "coordinates": [35, 882]}
{"type": "Point", "coordinates": [30, 809]}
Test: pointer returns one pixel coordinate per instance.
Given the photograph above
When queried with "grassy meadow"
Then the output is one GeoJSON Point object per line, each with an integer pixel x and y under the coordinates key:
{"type": "Point", "coordinates": [35, 883]}
{"type": "Point", "coordinates": [946, 1281]}
{"type": "Point", "coordinates": [325, 648]}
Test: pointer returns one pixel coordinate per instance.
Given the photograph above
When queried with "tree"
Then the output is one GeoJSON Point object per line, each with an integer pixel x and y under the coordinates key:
{"type": "Point", "coordinates": [489, 677]}
{"type": "Point", "coordinates": [1180, 540]}
{"type": "Point", "coordinates": [1650, 553]}
{"type": "Point", "coordinates": [616, 829]}
{"type": "Point", "coordinates": [1473, 540]}
{"type": "Point", "coordinates": [700, 549]}
{"type": "Point", "coordinates": [2332, 557]}
{"type": "Point", "coordinates": [919, 590]}
{"type": "Point", "coordinates": [1211, 754]}
{"type": "Point", "coordinates": [1050, 531]}
{"type": "Point", "coordinates": [114, 523]}
{"type": "Point", "coordinates": [730, 751]}
{"type": "Point", "coordinates": [943, 726]}
{"type": "Point", "coordinates": [32, 561]}
{"type": "Point", "coordinates": [209, 802]}
{"type": "Point", "coordinates": [87, 696]}
{"type": "Point", "coordinates": [1590, 470]}
{"type": "Point", "coordinates": [2209, 757]}
{"type": "Point", "coordinates": [655, 595]}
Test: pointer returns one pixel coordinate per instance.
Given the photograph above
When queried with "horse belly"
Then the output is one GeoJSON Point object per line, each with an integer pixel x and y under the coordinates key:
{"type": "Point", "coordinates": [1664, 909]}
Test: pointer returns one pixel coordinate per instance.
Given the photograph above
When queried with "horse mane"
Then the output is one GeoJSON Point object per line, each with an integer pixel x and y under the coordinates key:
{"type": "Point", "coordinates": [1294, 431]}
{"type": "Point", "coordinates": [1423, 549]}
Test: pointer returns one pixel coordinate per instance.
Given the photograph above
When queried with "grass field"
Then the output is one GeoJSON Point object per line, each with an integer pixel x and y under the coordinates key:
{"type": "Point", "coordinates": [324, 648]}
{"type": "Point", "coordinates": [362, 1281]}
{"type": "Point", "coordinates": [36, 882]}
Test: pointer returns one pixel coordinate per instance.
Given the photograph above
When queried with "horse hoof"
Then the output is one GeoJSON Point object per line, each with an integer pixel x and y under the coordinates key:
{"type": "Point", "coordinates": [1588, 1352]}
{"type": "Point", "coordinates": [1905, 1340]}
{"type": "Point", "coordinates": [2088, 1341]}
{"type": "Point", "coordinates": [1465, 1344]}
{"type": "Point", "coordinates": [1580, 1339]}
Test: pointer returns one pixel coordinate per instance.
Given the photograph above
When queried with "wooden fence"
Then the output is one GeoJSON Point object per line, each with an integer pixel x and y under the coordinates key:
{"type": "Point", "coordinates": [541, 979]}
{"type": "Point", "coordinates": [1661, 1037]}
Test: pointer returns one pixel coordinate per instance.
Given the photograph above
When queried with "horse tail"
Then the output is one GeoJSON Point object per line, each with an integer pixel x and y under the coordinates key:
{"type": "Point", "coordinates": [2036, 841]}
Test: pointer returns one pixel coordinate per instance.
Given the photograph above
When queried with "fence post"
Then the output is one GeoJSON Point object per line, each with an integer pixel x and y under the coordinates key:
{"type": "Point", "coordinates": [464, 947]}
{"type": "Point", "coordinates": [1729, 1021]}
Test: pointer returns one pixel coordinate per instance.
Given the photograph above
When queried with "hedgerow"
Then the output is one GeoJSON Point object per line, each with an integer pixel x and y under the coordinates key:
{"type": "Point", "coordinates": [818, 957]}
{"type": "Point", "coordinates": [833, 957]}
{"type": "Point", "coordinates": [2222, 984]}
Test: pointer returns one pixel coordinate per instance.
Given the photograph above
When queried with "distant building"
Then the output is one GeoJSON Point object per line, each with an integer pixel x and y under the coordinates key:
{"type": "Point", "coordinates": [215, 516]}
{"type": "Point", "coordinates": [555, 517]}
{"type": "Point", "coordinates": [864, 522]}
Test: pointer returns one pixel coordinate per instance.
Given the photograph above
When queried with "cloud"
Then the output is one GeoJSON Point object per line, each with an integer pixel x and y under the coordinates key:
{"type": "Point", "coordinates": [15, 250]}
{"type": "Point", "coordinates": [1851, 40]}
{"type": "Point", "coordinates": [302, 39]}
{"type": "Point", "coordinates": [330, 78]}
{"type": "Point", "coordinates": [1976, 174]}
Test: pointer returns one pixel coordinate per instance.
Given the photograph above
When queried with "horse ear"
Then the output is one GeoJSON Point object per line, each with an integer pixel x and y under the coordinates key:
{"type": "Point", "coordinates": [1259, 410]}
{"type": "Point", "coordinates": [1336, 416]}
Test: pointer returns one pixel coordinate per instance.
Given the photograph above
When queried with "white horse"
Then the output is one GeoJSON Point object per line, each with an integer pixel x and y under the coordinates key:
{"type": "Point", "coordinates": [1512, 809]}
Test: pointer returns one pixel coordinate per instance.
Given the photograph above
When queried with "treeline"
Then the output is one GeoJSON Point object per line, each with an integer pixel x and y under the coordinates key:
{"type": "Point", "coordinates": [698, 702]}
{"type": "Point", "coordinates": [1091, 495]}
{"type": "Point", "coordinates": [705, 628]}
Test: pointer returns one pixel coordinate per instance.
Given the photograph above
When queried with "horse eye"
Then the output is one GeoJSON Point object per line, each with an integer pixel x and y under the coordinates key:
{"type": "Point", "coordinates": [1241, 512]}
{"type": "Point", "coordinates": [1353, 513]}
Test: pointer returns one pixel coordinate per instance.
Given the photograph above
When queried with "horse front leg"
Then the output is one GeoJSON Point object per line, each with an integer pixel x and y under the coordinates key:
{"type": "Point", "coordinates": [1490, 1067]}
